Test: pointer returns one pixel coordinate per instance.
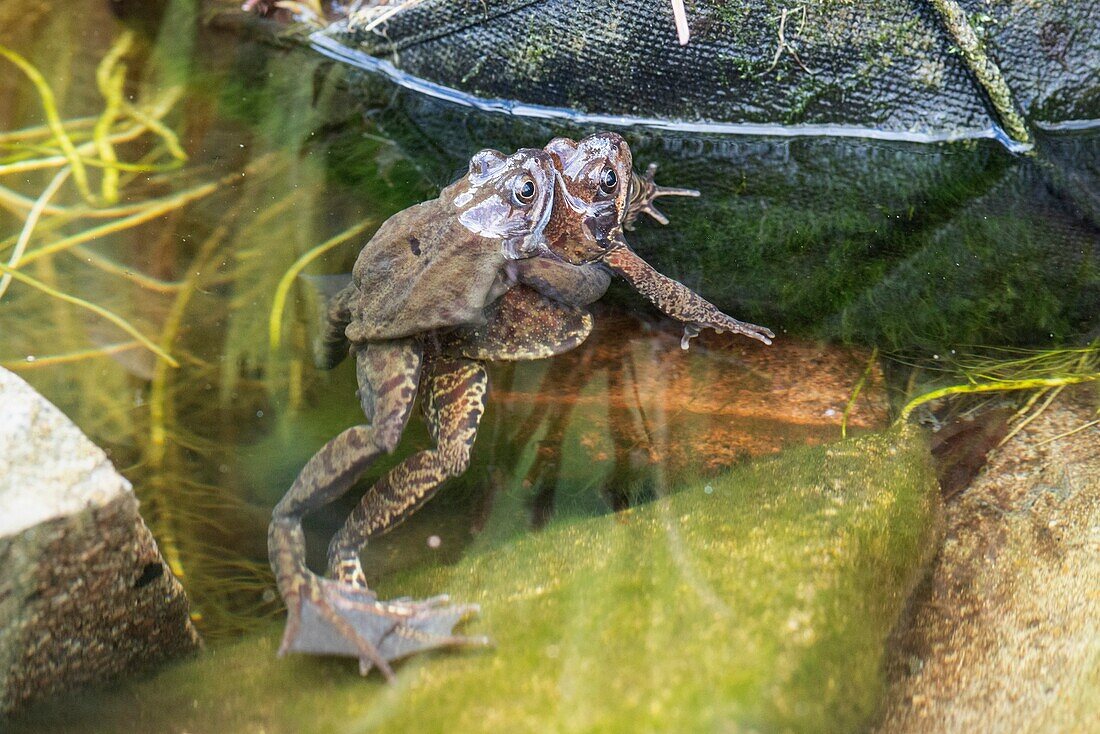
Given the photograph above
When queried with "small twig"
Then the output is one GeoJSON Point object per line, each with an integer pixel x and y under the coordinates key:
{"type": "Point", "coordinates": [784, 44]}
{"type": "Point", "coordinates": [984, 68]}
{"type": "Point", "coordinates": [1027, 406]}
{"type": "Point", "coordinates": [381, 16]}
{"type": "Point", "coordinates": [1078, 429]}
{"type": "Point", "coordinates": [1033, 415]}
{"type": "Point", "coordinates": [680, 16]}
{"type": "Point", "coordinates": [309, 11]}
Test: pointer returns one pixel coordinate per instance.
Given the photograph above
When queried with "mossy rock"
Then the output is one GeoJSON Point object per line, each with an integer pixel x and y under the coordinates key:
{"type": "Point", "coordinates": [760, 600]}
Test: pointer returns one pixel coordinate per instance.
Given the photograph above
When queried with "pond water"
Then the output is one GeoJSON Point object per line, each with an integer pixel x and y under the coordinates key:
{"type": "Point", "coordinates": [865, 257]}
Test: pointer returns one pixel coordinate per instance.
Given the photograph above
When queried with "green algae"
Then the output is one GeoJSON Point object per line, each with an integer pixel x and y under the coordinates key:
{"type": "Point", "coordinates": [761, 600]}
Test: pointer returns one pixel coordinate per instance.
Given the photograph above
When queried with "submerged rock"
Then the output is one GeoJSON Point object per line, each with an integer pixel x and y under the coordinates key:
{"type": "Point", "coordinates": [1008, 639]}
{"type": "Point", "coordinates": [758, 600]}
{"type": "Point", "coordinates": [84, 592]}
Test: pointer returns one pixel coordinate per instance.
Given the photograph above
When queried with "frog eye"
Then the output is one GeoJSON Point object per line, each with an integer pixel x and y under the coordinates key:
{"type": "Point", "coordinates": [524, 190]}
{"type": "Point", "coordinates": [608, 181]}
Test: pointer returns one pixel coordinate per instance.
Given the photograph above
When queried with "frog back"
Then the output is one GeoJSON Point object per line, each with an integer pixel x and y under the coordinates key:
{"type": "Point", "coordinates": [423, 270]}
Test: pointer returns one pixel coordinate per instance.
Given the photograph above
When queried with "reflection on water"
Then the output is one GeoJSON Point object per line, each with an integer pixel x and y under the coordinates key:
{"type": "Point", "coordinates": [910, 247]}
{"type": "Point", "coordinates": [627, 416]}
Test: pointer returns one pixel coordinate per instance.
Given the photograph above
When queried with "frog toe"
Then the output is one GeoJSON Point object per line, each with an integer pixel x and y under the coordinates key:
{"type": "Point", "coordinates": [644, 190]}
{"type": "Point", "coordinates": [432, 601]}
{"type": "Point", "coordinates": [320, 622]}
{"type": "Point", "coordinates": [425, 625]}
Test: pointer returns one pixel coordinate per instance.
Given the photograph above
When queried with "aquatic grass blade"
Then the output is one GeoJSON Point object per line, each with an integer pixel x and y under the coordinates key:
{"type": "Point", "coordinates": [98, 310]}
{"type": "Point", "coordinates": [275, 321]}
{"type": "Point", "coordinates": [30, 223]}
{"type": "Point", "coordinates": [53, 119]}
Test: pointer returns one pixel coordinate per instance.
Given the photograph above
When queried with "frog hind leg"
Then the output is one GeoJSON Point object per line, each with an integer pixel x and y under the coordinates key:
{"type": "Point", "coordinates": [388, 374]}
{"type": "Point", "coordinates": [521, 325]}
{"type": "Point", "coordinates": [453, 403]}
{"type": "Point", "coordinates": [643, 191]}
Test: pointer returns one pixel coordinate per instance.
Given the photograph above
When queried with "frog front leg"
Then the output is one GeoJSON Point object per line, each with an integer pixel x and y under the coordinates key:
{"type": "Point", "coordinates": [677, 300]}
{"type": "Point", "coordinates": [332, 345]}
{"type": "Point", "coordinates": [543, 315]}
{"type": "Point", "coordinates": [575, 285]}
{"type": "Point", "coordinates": [453, 403]}
{"type": "Point", "coordinates": [643, 191]}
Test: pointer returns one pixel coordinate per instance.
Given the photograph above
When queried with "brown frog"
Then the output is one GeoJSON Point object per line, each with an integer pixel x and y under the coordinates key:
{"type": "Point", "coordinates": [430, 267]}
{"type": "Point", "coordinates": [598, 195]}
{"type": "Point", "coordinates": [543, 314]}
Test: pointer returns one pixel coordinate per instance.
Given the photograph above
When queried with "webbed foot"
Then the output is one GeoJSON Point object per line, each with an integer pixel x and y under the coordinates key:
{"type": "Point", "coordinates": [644, 191]}
{"type": "Point", "coordinates": [334, 618]}
{"type": "Point", "coordinates": [724, 324]}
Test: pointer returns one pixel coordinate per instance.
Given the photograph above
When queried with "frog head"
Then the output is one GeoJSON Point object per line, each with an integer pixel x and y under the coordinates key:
{"type": "Point", "coordinates": [507, 198]}
{"type": "Point", "coordinates": [593, 178]}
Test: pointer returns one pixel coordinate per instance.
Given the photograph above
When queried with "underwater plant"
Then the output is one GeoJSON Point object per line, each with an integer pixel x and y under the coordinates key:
{"type": "Point", "coordinates": [104, 177]}
{"type": "Point", "coordinates": [1031, 378]}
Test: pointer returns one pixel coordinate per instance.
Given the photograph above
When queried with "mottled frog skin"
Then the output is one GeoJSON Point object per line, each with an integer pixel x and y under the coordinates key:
{"type": "Point", "coordinates": [431, 301]}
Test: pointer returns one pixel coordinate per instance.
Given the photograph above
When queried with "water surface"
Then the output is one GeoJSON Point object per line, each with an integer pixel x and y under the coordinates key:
{"type": "Point", "coordinates": [840, 245]}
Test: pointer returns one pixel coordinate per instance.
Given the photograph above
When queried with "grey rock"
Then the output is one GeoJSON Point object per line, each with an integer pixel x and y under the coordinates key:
{"type": "Point", "coordinates": [84, 592]}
